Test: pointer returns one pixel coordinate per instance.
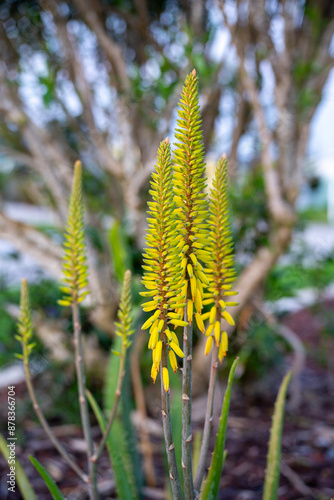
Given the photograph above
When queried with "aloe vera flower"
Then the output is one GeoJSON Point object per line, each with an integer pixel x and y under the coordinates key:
{"type": "Point", "coordinates": [190, 199]}
{"type": "Point", "coordinates": [75, 269]}
{"type": "Point", "coordinates": [220, 266]}
{"type": "Point", "coordinates": [162, 266]}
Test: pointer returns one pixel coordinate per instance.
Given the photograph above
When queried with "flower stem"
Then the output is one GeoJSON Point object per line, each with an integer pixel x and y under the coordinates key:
{"type": "Point", "coordinates": [44, 422]}
{"type": "Point", "coordinates": [167, 426]}
{"type": "Point", "coordinates": [186, 410]}
{"type": "Point", "coordinates": [208, 420]}
{"type": "Point", "coordinates": [81, 378]}
{"type": "Point", "coordinates": [113, 413]}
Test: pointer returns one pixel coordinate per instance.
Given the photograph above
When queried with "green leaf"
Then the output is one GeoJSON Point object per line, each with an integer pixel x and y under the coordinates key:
{"type": "Point", "coordinates": [24, 485]}
{"type": "Point", "coordinates": [123, 476]}
{"type": "Point", "coordinates": [274, 451]}
{"type": "Point", "coordinates": [53, 488]}
{"type": "Point", "coordinates": [119, 250]}
{"type": "Point", "coordinates": [211, 486]}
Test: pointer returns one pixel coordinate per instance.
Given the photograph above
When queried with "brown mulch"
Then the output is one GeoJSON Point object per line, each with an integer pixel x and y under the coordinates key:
{"type": "Point", "coordinates": [308, 440]}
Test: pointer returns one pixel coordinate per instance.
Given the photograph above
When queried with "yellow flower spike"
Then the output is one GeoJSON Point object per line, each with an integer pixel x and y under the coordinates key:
{"type": "Point", "coordinates": [157, 353]}
{"type": "Point", "coordinates": [162, 267]}
{"type": "Point", "coordinates": [229, 304]}
{"type": "Point", "coordinates": [205, 316]}
{"type": "Point", "coordinates": [208, 345]}
{"type": "Point", "coordinates": [217, 332]}
{"type": "Point", "coordinates": [199, 322]}
{"type": "Point", "coordinates": [176, 349]}
{"type": "Point", "coordinates": [190, 310]}
{"type": "Point", "coordinates": [190, 270]}
{"type": "Point", "coordinates": [226, 315]}
{"type": "Point", "coordinates": [209, 329]}
{"type": "Point", "coordinates": [75, 269]}
{"type": "Point", "coordinates": [165, 377]}
{"type": "Point", "coordinates": [198, 300]}
{"type": "Point", "coordinates": [172, 360]}
{"type": "Point", "coordinates": [213, 314]}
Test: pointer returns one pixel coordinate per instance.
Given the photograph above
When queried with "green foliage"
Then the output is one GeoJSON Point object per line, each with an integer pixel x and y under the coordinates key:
{"type": "Point", "coordinates": [211, 486]}
{"type": "Point", "coordinates": [23, 483]}
{"type": "Point", "coordinates": [53, 488]}
{"type": "Point", "coordinates": [75, 269]}
{"type": "Point", "coordinates": [119, 455]}
{"type": "Point", "coordinates": [120, 251]}
{"type": "Point", "coordinates": [274, 452]}
{"type": "Point", "coordinates": [285, 281]}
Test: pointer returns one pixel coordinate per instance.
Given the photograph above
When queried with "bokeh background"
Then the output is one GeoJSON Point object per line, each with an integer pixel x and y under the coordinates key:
{"type": "Point", "coordinates": [99, 81]}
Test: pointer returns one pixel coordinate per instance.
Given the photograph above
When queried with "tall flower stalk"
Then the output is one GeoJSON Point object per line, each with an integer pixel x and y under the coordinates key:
{"type": "Point", "coordinates": [123, 330]}
{"type": "Point", "coordinates": [221, 274]}
{"type": "Point", "coordinates": [162, 275]}
{"type": "Point", "coordinates": [190, 200]}
{"type": "Point", "coordinates": [25, 337]}
{"type": "Point", "coordinates": [75, 281]}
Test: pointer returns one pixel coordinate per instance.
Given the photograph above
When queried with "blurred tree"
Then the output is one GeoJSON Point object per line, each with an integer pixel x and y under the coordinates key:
{"type": "Point", "coordinates": [99, 80]}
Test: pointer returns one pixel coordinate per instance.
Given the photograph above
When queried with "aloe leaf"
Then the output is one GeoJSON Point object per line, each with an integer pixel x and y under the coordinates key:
{"type": "Point", "coordinates": [115, 444]}
{"type": "Point", "coordinates": [211, 486]}
{"type": "Point", "coordinates": [23, 482]}
{"type": "Point", "coordinates": [274, 451]}
{"type": "Point", "coordinates": [53, 488]}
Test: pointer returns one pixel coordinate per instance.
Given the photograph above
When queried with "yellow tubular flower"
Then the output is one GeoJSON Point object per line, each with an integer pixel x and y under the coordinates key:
{"type": "Point", "coordinates": [190, 199]}
{"type": "Point", "coordinates": [162, 267]}
{"type": "Point", "coordinates": [208, 345]}
{"type": "Point", "coordinates": [165, 377]}
{"type": "Point", "coordinates": [220, 263]}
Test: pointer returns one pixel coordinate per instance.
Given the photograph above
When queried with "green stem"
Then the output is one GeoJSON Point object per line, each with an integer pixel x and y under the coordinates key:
{"type": "Point", "coordinates": [81, 378]}
{"type": "Point", "coordinates": [167, 426]}
{"type": "Point", "coordinates": [44, 422]}
{"type": "Point", "coordinates": [208, 420]}
{"type": "Point", "coordinates": [186, 410]}
{"type": "Point", "coordinates": [113, 413]}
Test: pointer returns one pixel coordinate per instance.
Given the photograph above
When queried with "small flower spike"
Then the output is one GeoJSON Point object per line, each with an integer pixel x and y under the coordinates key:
{"type": "Point", "coordinates": [124, 315]}
{"type": "Point", "coordinates": [162, 265]}
{"type": "Point", "coordinates": [220, 265]}
{"type": "Point", "coordinates": [24, 325]}
{"type": "Point", "coordinates": [190, 200]}
{"type": "Point", "coordinates": [75, 269]}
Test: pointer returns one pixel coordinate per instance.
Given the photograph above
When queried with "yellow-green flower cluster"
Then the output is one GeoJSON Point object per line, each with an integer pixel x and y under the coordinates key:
{"type": "Point", "coordinates": [190, 200]}
{"type": "Point", "coordinates": [162, 265]}
{"type": "Point", "coordinates": [24, 325]}
{"type": "Point", "coordinates": [220, 265]}
{"type": "Point", "coordinates": [124, 315]}
{"type": "Point", "coordinates": [75, 269]}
